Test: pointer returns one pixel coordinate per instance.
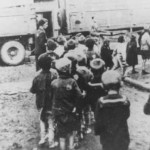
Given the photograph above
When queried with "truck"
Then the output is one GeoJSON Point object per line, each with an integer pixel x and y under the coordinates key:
{"type": "Point", "coordinates": [110, 15]}
{"type": "Point", "coordinates": [18, 23]}
{"type": "Point", "coordinates": [19, 18]}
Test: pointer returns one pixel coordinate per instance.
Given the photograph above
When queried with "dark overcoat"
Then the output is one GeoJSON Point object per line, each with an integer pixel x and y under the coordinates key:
{"type": "Point", "coordinates": [111, 116]}
{"type": "Point", "coordinates": [40, 48]}
{"type": "Point", "coordinates": [131, 51]}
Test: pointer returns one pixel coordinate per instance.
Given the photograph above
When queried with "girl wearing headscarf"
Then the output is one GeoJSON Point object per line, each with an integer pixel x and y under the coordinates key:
{"type": "Point", "coordinates": [131, 51]}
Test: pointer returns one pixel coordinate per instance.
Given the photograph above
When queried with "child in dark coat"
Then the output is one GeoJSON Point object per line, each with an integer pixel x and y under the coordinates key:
{"type": "Point", "coordinates": [66, 97]}
{"type": "Point", "coordinates": [111, 115]}
{"type": "Point", "coordinates": [95, 89]}
{"type": "Point", "coordinates": [41, 87]}
{"type": "Point", "coordinates": [106, 55]}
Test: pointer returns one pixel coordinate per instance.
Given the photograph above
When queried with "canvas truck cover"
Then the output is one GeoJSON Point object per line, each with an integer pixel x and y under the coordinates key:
{"type": "Point", "coordinates": [17, 20]}
{"type": "Point", "coordinates": [108, 14]}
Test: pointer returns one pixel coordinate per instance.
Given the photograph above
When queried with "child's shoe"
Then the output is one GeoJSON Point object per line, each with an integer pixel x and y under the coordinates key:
{"type": "Point", "coordinates": [42, 141]}
{"type": "Point", "coordinates": [53, 144]}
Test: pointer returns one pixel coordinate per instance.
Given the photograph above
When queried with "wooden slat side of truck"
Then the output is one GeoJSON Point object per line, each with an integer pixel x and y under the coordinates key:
{"type": "Point", "coordinates": [76, 15]}
{"type": "Point", "coordinates": [17, 28]}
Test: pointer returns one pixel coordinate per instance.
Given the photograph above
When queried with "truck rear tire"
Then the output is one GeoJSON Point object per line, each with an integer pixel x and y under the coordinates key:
{"type": "Point", "coordinates": [12, 53]}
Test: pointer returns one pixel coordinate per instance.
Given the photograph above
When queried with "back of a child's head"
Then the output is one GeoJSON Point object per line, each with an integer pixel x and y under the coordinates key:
{"type": "Point", "coordinates": [81, 39]}
{"type": "Point", "coordinates": [111, 80]}
{"type": "Point", "coordinates": [71, 44]}
{"type": "Point", "coordinates": [90, 43]}
{"type": "Point", "coordinates": [61, 40]}
{"type": "Point", "coordinates": [44, 61]}
{"type": "Point", "coordinates": [97, 64]}
{"type": "Point", "coordinates": [51, 45]}
{"type": "Point", "coordinates": [63, 66]}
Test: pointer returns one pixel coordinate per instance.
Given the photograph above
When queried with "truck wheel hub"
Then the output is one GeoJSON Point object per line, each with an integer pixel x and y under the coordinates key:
{"type": "Point", "coordinates": [12, 52]}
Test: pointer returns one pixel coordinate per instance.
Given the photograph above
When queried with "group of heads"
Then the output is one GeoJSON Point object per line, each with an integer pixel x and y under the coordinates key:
{"type": "Point", "coordinates": [64, 65]}
{"type": "Point", "coordinates": [110, 79]}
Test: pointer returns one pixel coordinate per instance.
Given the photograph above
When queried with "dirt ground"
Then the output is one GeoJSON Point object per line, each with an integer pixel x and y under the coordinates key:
{"type": "Point", "coordinates": [19, 122]}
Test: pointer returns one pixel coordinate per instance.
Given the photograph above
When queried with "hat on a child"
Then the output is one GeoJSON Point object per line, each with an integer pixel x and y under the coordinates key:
{"type": "Point", "coordinates": [63, 65]}
{"type": "Point", "coordinates": [81, 38]}
{"type": "Point", "coordinates": [85, 73]}
{"type": "Point", "coordinates": [97, 64]}
{"type": "Point", "coordinates": [111, 77]}
{"type": "Point", "coordinates": [71, 44]}
{"type": "Point", "coordinates": [61, 40]}
{"type": "Point", "coordinates": [44, 61]}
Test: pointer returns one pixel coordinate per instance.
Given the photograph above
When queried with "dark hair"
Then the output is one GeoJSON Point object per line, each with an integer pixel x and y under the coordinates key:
{"type": "Point", "coordinates": [90, 43]}
{"type": "Point", "coordinates": [121, 39]}
{"type": "Point", "coordinates": [106, 43]}
{"type": "Point", "coordinates": [133, 38]}
{"type": "Point", "coordinates": [44, 61]}
{"type": "Point", "coordinates": [113, 86]}
{"type": "Point", "coordinates": [42, 22]}
{"type": "Point", "coordinates": [82, 42]}
{"type": "Point", "coordinates": [51, 44]}
{"type": "Point", "coordinates": [71, 47]}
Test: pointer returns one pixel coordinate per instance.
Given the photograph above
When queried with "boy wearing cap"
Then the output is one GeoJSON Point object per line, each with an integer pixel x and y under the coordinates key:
{"type": "Point", "coordinates": [111, 115]}
{"type": "Point", "coordinates": [66, 97]}
{"type": "Point", "coordinates": [41, 87]}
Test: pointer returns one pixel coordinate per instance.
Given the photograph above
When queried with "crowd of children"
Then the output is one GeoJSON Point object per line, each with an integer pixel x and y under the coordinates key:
{"type": "Point", "coordinates": [76, 82]}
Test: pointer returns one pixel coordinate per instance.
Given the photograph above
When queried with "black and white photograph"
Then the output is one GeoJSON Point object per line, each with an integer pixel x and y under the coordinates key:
{"type": "Point", "coordinates": [74, 74]}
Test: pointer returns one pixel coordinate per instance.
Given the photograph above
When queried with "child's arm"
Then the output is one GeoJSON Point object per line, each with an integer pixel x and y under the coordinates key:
{"type": "Point", "coordinates": [95, 84]}
{"type": "Point", "coordinates": [98, 128]}
{"type": "Point", "coordinates": [33, 88]}
{"type": "Point", "coordinates": [78, 96]}
{"type": "Point", "coordinates": [147, 107]}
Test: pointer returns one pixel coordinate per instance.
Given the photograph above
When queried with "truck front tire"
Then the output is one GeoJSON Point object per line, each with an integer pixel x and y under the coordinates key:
{"type": "Point", "coordinates": [12, 53]}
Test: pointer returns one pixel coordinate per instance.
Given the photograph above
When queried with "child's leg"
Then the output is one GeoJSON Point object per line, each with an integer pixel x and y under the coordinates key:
{"type": "Point", "coordinates": [71, 138]}
{"type": "Point", "coordinates": [51, 135]}
{"type": "Point", "coordinates": [87, 118]}
{"type": "Point", "coordinates": [42, 127]}
{"type": "Point", "coordinates": [43, 133]}
{"type": "Point", "coordinates": [62, 143]}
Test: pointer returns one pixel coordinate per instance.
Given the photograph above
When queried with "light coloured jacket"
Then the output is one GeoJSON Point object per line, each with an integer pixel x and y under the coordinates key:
{"type": "Point", "coordinates": [145, 42]}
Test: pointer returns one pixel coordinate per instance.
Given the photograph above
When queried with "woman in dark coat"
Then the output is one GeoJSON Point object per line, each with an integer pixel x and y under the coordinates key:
{"type": "Point", "coordinates": [131, 51]}
{"type": "Point", "coordinates": [40, 40]}
{"type": "Point", "coordinates": [106, 54]}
